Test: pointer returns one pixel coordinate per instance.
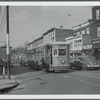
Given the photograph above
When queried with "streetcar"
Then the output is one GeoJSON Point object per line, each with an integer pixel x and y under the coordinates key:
{"type": "Point", "coordinates": [55, 55]}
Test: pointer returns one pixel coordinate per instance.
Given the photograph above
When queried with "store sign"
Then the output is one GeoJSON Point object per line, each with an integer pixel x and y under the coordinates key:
{"type": "Point", "coordinates": [87, 47]}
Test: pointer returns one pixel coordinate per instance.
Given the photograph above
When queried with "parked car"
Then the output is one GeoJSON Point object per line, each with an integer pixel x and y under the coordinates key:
{"type": "Point", "coordinates": [85, 62]}
{"type": "Point", "coordinates": [34, 65]}
{"type": "Point", "coordinates": [24, 63]}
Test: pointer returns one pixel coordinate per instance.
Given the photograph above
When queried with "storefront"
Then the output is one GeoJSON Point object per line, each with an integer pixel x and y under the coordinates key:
{"type": "Point", "coordinates": [96, 48]}
{"type": "Point", "coordinates": [87, 50]}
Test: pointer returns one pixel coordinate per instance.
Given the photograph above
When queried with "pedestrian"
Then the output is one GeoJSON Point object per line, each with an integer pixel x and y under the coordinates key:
{"type": "Point", "coordinates": [3, 68]}
{"type": "Point", "coordinates": [43, 65]}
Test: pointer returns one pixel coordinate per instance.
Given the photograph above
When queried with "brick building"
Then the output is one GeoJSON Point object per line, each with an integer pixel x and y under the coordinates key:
{"type": "Point", "coordinates": [51, 35]}
{"type": "Point", "coordinates": [81, 41]}
{"type": "Point", "coordinates": [56, 34]}
{"type": "Point", "coordinates": [96, 31]}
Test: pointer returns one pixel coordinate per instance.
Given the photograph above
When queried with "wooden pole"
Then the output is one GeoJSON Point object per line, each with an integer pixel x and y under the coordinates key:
{"type": "Point", "coordinates": [8, 44]}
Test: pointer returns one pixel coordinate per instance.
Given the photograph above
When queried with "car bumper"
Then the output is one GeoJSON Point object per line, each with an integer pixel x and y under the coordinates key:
{"type": "Point", "coordinates": [94, 66]}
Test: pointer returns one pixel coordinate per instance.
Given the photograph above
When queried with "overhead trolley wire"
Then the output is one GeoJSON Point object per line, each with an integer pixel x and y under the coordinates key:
{"type": "Point", "coordinates": [78, 11]}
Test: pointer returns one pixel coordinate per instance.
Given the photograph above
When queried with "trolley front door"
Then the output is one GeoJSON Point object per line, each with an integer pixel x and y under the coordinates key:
{"type": "Point", "coordinates": [50, 57]}
{"type": "Point", "coordinates": [48, 54]}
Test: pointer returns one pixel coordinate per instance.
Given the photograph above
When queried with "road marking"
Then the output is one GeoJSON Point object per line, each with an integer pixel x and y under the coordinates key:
{"type": "Point", "coordinates": [82, 80]}
{"type": "Point", "coordinates": [85, 75]}
{"type": "Point", "coordinates": [66, 76]}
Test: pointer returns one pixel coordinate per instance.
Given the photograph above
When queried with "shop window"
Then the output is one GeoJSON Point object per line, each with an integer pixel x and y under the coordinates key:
{"type": "Point", "coordinates": [98, 31]}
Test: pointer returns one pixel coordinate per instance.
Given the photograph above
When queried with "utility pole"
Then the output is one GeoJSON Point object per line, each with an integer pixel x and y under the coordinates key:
{"type": "Point", "coordinates": [8, 43]}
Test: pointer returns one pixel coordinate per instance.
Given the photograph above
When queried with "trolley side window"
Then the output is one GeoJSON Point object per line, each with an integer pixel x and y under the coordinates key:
{"type": "Point", "coordinates": [61, 52]}
{"type": "Point", "coordinates": [55, 52]}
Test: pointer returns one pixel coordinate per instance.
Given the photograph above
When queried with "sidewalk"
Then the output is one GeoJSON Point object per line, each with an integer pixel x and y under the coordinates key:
{"type": "Point", "coordinates": [7, 84]}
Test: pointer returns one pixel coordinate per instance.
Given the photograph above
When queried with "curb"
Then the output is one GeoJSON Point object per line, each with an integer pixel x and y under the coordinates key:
{"type": "Point", "coordinates": [8, 87]}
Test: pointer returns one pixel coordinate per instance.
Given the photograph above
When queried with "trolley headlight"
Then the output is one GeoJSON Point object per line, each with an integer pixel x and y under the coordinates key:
{"type": "Point", "coordinates": [63, 61]}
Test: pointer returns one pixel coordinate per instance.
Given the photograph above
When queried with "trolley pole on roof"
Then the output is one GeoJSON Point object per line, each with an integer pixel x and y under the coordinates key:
{"type": "Point", "coordinates": [8, 42]}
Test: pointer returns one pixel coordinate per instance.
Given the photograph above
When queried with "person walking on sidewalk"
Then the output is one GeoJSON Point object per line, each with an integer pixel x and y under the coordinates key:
{"type": "Point", "coordinates": [43, 65]}
{"type": "Point", "coordinates": [3, 65]}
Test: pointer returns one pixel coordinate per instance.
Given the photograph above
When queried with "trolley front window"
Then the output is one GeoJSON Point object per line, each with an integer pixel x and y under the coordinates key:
{"type": "Point", "coordinates": [55, 52]}
{"type": "Point", "coordinates": [61, 52]}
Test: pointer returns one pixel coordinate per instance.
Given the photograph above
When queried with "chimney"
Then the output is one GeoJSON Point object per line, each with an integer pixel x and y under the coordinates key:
{"type": "Point", "coordinates": [61, 27]}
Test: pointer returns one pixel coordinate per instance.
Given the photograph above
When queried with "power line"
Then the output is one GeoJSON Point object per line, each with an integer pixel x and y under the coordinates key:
{"type": "Point", "coordinates": [78, 11]}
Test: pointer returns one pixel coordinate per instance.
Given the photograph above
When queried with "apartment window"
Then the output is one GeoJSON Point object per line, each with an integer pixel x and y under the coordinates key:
{"type": "Point", "coordinates": [71, 46]}
{"type": "Point", "coordinates": [78, 33]}
{"type": "Point", "coordinates": [44, 39]}
{"type": "Point", "coordinates": [98, 31]}
{"type": "Point", "coordinates": [74, 34]}
{"type": "Point", "coordinates": [75, 43]}
{"type": "Point", "coordinates": [53, 34]}
{"type": "Point", "coordinates": [83, 31]}
{"type": "Point", "coordinates": [53, 37]}
{"type": "Point", "coordinates": [87, 30]}
{"type": "Point", "coordinates": [49, 37]}
{"type": "Point", "coordinates": [32, 45]}
{"type": "Point", "coordinates": [97, 14]}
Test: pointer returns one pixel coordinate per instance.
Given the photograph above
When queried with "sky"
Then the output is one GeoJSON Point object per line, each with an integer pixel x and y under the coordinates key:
{"type": "Point", "coordinates": [27, 23]}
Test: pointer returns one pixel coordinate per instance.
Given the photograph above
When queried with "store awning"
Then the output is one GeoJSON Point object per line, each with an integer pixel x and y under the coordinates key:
{"type": "Point", "coordinates": [96, 43]}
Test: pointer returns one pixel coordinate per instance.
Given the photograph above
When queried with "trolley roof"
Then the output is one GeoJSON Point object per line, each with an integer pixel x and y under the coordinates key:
{"type": "Point", "coordinates": [57, 42]}
{"type": "Point", "coordinates": [52, 43]}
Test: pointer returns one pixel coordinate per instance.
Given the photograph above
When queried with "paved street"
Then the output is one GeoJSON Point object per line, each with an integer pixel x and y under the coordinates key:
{"type": "Point", "coordinates": [76, 82]}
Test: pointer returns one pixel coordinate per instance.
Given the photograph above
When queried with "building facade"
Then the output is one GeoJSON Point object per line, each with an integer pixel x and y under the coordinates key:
{"type": "Point", "coordinates": [51, 35]}
{"type": "Point", "coordinates": [96, 31]}
{"type": "Point", "coordinates": [81, 41]}
{"type": "Point", "coordinates": [56, 34]}
{"type": "Point", "coordinates": [34, 44]}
